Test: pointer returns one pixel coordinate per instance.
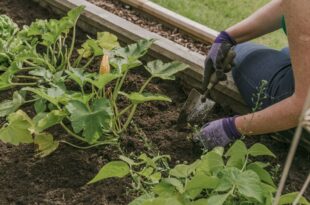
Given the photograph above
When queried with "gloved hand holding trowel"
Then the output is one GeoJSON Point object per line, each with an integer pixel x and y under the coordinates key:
{"type": "Point", "coordinates": [218, 62]}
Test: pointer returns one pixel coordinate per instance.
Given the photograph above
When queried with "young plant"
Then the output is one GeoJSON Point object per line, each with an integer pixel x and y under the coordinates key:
{"type": "Point", "coordinates": [217, 178]}
{"type": "Point", "coordinates": [62, 90]}
{"type": "Point", "coordinates": [144, 171]}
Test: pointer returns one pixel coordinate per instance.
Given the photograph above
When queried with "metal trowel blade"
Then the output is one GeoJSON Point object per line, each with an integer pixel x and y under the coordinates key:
{"type": "Point", "coordinates": [195, 110]}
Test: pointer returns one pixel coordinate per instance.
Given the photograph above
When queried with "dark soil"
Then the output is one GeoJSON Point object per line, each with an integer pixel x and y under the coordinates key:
{"type": "Point", "coordinates": [61, 177]}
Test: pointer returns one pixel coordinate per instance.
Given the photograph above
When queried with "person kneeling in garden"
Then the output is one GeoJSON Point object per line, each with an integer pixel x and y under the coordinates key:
{"type": "Point", "coordinates": [287, 72]}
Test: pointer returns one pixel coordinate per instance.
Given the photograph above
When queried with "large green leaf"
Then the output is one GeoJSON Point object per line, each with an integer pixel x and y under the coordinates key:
{"type": "Point", "coordinates": [290, 198]}
{"type": "Point", "coordinates": [117, 169]}
{"type": "Point", "coordinates": [78, 75]}
{"type": "Point", "coordinates": [248, 184]}
{"type": "Point", "coordinates": [92, 120]}
{"type": "Point", "coordinates": [176, 183]}
{"type": "Point", "coordinates": [199, 202]}
{"type": "Point", "coordinates": [46, 144]}
{"type": "Point", "coordinates": [200, 182]}
{"type": "Point", "coordinates": [137, 98]}
{"type": "Point", "coordinates": [236, 153]}
{"type": "Point", "coordinates": [102, 80]}
{"type": "Point", "coordinates": [164, 189]}
{"type": "Point", "coordinates": [171, 200]}
{"type": "Point", "coordinates": [90, 48]}
{"type": "Point", "coordinates": [217, 199]}
{"type": "Point", "coordinates": [259, 149]}
{"type": "Point", "coordinates": [262, 173]}
{"type": "Point", "coordinates": [211, 162]}
{"type": "Point", "coordinates": [141, 199]}
{"type": "Point", "coordinates": [9, 106]}
{"type": "Point", "coordinates": [19, 129]}
{"type": "Point", "coordinates": [183, 170]}
{"type": "Point", "coordinates": [136, 50]}
{"type": "Point", "coordinates": [165, 71]}
{"type": "Point", "coordinates": [46, 120]}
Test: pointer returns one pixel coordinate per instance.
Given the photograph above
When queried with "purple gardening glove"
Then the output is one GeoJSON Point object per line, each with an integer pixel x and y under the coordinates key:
{"type": "Point", "coordinates": [218, 133]}
{"type": "Point", "coordinates": [215, 61]}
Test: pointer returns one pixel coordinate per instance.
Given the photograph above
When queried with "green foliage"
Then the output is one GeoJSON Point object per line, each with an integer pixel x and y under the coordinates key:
{"type": "Point", "coordinates": [9, 106]}
{"type": "Point", "coordinates": [143, 169]}
{"type": "Point", "coordinates": [92, 120]}
{"type": "Point", "coordinates": [37, 61]}
{"type": "Point", "coordinates": [112, 169]}
{"type": "Point", "coordinates": [215, 179]}
{"type": "Point", "coordinates": [164, 71]}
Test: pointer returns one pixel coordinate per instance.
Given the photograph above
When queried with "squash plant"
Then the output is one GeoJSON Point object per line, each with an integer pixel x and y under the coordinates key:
{"type": "Point", "coordinates": [217, 178]}
{"type": "Point", "coordinates": [37, 61]}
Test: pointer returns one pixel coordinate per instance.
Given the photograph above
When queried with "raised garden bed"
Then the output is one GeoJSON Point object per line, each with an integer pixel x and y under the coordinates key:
{"type": "Point", "coordinates": [61, 177]}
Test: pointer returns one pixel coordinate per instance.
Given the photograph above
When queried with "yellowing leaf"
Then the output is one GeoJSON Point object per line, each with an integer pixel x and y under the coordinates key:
{"type": "Point", "coordinates": [107, 40]}
{"type": "Point", "coordinates": [46, 144]}
{"type": "Point", "coordinates": [19, 129]}
{"type": "Point", "coordinates": [9, 106]}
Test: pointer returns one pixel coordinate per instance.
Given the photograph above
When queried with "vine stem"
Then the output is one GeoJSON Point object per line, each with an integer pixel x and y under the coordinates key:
{"type": "Point", "coordinates": [23, 84]}
{"type": "Point", "coordinates": [72, 133]}
{"type": "Point", "coordinates": [72, 44]}
{"type": "Point", "coordinates": [27, 77]}
{"type": "Point", "coordinates": [87, 147]}
{"type": "Point", "coordinates": [134, 108]}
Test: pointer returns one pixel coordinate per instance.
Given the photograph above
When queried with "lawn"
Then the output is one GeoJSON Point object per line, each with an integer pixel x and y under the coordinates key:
{"type": "Point", "coordinates": [220, 14]}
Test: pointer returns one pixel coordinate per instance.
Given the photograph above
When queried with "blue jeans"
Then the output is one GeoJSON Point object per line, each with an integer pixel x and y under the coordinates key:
{"type": "Point", "coordinates": [254, 63]}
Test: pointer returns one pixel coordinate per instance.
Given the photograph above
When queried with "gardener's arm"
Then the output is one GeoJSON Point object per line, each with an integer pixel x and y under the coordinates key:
{"type": "Point", "coordinates": [263, 21]}
{"type": "Point", "coordinates": [285, 114]}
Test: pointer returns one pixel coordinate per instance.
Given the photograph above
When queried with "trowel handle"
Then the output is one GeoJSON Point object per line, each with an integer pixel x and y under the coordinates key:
{"type": "Point", "coordinates": [213, 81]}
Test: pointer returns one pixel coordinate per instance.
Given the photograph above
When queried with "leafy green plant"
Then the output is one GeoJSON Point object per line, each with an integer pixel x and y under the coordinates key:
{"type": "Point", "coordinates": [217, 178]}
{"type": "Point", "coordinates": [61, 88]}
{"type": "Point", "coordinates": [145, 171]}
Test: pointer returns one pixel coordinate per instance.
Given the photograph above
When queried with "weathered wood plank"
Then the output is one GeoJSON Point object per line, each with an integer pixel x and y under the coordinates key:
{"type": "Point", "coordinates": [193, 28]}
{"type": "Point", "coordinates": [96, 19]}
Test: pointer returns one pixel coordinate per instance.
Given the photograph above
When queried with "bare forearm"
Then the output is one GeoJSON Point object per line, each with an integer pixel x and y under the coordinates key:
{"type": "Point", "coordinates": [263, 21]}
{"type": "Point", "coordinates": [281, 116]}
{"type": "Point", "coordinates": [285, 114]}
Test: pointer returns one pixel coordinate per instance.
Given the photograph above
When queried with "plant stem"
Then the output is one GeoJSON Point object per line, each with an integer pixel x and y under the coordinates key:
{"type": "Point", "coordinates": [124, 111]}
{"type": "Point", "coordinates": [72, 44]}
{"type": "Point", "coordinates": [72, 133]}
{"type": "Point", "coordinates": [88, 147]}
{"type": "Point", "coordinates": [23, 84]}
{"type": "Point", "coordinates": [27, 77]}
{"type": "Point", "coordinates": [118, 86]}
{"type": "Point", "coordinates": [88, 62]}
{"type": "Point", "coordinates": [145, 84]}
{"type": "Point", "coordinates": [133, 110]}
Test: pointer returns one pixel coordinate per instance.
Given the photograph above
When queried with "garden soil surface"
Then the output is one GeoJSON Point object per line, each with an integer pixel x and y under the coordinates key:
{"type": "Point", "coordinates": [61, 177]}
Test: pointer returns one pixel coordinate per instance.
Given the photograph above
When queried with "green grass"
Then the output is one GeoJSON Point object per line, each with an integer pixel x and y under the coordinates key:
{"type": "Point", "coordinates": [220, 14]}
